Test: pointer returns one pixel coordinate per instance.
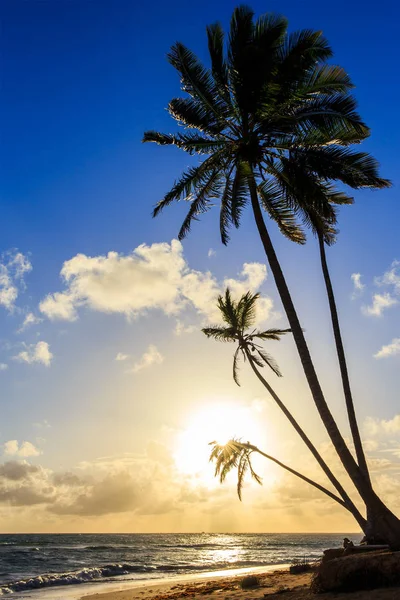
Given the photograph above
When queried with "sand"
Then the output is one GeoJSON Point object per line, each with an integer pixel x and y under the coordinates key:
{"type": "Point", "coordinates": [272, 586]}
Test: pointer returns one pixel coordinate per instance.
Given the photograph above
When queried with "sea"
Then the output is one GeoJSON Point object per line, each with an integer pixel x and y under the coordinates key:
{"type": "Point", "coordinates": [67, 566]}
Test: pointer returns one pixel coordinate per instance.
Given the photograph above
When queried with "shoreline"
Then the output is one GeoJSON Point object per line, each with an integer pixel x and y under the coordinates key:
{"type": "Point", "coordinates": [148, 586]}
{"type": "Point", "coordinates": [171, 587]}
{"type": "Point", "coordinates": [272, 583]}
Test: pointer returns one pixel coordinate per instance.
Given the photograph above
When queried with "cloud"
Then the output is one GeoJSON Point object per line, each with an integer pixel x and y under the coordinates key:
{"type": "Point", "coordinates": [391, 277]}
{"type": "Point", "coordinates": [13, 267]}
{"type": "Point", "coordinates": [358, 286]}
{"type": "Point", "coordinates": [3, 367]}
{"type": "Point", "coordinates": [121, 356]}
{"type": "Point", "coordinates": [24, 450]}
{"type": "Point", "coordinates": [389, 350]}
{"type": "Point", "coordinates": [151, 357]}
{"type": "Point", "coordinates": [380, 302]}
{"type": "Point", "coordinates": [181, 328]}
{"type": "Point", "coordinates": [375, 427]}
{"type": "Point", "coordinates": [36, 353]}
{"type": "Point", "coordinates": [30, 319]}
{"type": "Point", "coordinates": [42, 424]}
{"type": "Point", "coordinates": [155, 277]}
{"type": "Point", "coordinates": [115, 493]}
{"type": "Point", "coordinates": [17, 470]}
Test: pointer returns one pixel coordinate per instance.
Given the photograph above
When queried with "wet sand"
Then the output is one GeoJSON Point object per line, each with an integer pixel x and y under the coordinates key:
{"type": "Point", "coordinates": [272, 586]}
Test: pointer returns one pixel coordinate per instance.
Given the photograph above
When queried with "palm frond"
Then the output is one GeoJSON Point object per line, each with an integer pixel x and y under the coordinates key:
{"type": "Point", "coordinates": [191, 180]}
{"type": "Point", "coordinates": [233, 455]}
{"type": "Point", "coordinates": [163, 139]}
{"type": "Point", "coordinates": [242, 470]}
{"type": "Point", "coordinates": [326, 79]}
{"type": "Point", "coordinates": [240, 193]}
{"type": "Point", "coordinates": [273, 203]}
{"type": "Point", "coordinates": [221, 334]}
{"type": "Point", "coordinates": [268, 360]}
{"type": "Point", "coordinates": [271, 334]}
{"type": "Point", "coordinates": [227, 306]}
{"type": "Point", "coordinates": [193, 114]}
{"type": "Point", "coordinates": [246, 308]}
{"type": "Point", "coordinates": [201, 203]}
{"type": "Point", "coordinates": [235, 370]}
{"type": "Point", "coordinates": [328, 112]}
{"type": "Point", "coordinates": [225, 215]}
{"type": "Point", "coordinates": [219, 68]}
{"type": "Point", "coordinates": [355, 169]}
{"type": "Point", "coordinates": [301, 51]}
{"type": "Point", "coordinates": [196, 80]}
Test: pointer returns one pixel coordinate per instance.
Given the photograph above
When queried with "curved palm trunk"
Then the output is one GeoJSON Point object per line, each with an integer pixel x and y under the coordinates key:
{"type": "Point", "coordinates": [348, 503]}
{"type": "Point", "coordinates": [300, 475]}
{"type": "Point", "coordinates": [342, 363]}
{"type": "Point", "coordinates": [383, 523]}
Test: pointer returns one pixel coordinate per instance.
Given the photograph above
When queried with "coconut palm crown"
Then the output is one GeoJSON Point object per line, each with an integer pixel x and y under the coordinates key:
{"type": "Point", "coordinates": [239, 316]}
{"type": "Point", "coordinates": [269, 112]}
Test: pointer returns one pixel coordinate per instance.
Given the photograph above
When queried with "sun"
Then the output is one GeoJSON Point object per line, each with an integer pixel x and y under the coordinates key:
{"type": "Point", "coordinates": [217, 422]}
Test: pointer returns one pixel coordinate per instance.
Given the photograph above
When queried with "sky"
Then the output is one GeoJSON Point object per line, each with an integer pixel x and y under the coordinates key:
{"type": "Point", "coordinates": [109, 392]}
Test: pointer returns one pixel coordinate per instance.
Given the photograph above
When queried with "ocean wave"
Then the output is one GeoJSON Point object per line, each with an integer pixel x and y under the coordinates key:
{"type": "Point", "coordinates": [72, 578]}
{"type": "Point", "coordinates": [92, 574]}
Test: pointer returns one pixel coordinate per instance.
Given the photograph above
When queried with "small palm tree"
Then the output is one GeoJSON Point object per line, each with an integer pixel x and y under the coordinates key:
{"type": "Point", "coordinates": [239, 319]}
{"type": "Point", "coordinates": [237, 455]}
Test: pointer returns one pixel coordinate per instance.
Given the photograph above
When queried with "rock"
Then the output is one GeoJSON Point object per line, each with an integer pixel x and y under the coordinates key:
{"type": "Point", "coordinates": [250, 581]}
{"type": "Point", "coordinates": [332, 553]}
{"type": "Point", "coordinates": [358, 571]}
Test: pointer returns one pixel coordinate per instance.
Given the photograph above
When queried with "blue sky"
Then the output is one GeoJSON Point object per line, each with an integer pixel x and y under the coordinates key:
{"type": "Point", "coordinates": [80, 82]}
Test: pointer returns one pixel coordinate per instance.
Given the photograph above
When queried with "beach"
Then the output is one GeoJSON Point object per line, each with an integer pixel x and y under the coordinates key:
{"type": "Point", "coordinates": [272, 584]}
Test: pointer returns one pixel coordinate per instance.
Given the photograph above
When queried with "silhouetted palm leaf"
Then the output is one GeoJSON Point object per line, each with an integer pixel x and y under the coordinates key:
{"type": "Point", "coordinates": [239, 316]}
{"type": "Point", "coordinates": [270, 94]}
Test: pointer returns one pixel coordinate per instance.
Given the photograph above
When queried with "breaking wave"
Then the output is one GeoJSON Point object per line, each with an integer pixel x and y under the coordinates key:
{"type": "Point", "coordinates": [72, 578]}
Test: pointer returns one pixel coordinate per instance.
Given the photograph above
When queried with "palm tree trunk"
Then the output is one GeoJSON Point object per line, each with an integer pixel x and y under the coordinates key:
{"type": "Point", "coordinates": [348, 503]}
{"type": "Point", "coordinates": [319, 487]}
{"type": "Point", "coordinates": [387, 522]}
{"type": "Point", "coordinates": [342, 363]}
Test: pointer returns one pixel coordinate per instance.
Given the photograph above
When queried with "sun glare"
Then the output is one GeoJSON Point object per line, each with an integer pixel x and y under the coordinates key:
{"type": "Point", "coordinates": [216, 422]}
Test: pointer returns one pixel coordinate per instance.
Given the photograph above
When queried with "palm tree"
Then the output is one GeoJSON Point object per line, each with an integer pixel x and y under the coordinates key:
{"type": "Point", "coordinates": [264, 109]}
{"type": "Point", "coordinates": [237, 455]}
{"type": "Point", "coordinates": [239, 319]}
{"type": "Point", "coordinates": [323, 224]}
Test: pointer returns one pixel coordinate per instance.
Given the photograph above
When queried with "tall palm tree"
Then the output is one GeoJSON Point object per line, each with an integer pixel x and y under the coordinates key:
{"type": "Point", "coordinates": [264, 108]}
{"type": "Point", "coordinates": [239, 319]}
{"type": "Point", "coordinates": [323, 224]}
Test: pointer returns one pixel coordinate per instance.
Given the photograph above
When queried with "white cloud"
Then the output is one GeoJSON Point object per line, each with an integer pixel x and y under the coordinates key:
{"type": "Point", "coordinates": [358, 286]}
{"type": "Point", "coordinates": [36, 353]}
{"type": "Point", "coordinates": [181, 328]}
{"type": "Point", "coordinates": [151, 277]}
{"type": "Point", "coordinates": [24, 450]}
{"type": "Point", "coordinates": [386, 299]}
{"type": "Point", "coordinates": [211, 253]}
{"type": "Point", "coordinates": [389, 350]}
{"type": "Point", "coordinates": [3, 367]}
{"type": "Point", "coordinates": [380, 302]}
{"type": "Point", "coordinates": [121, 356]}
{"type": "Point", "coordinates": [381, 426]}
{"type": "Point", "coordinates": [30, 319]}
{"type": "Point", "coordinates": [13, 267]}
{"type": "Point", "coordinates": [60, 306]}
{"type": "Point", "coordinates": [391, 277]}
{"type": "Point", "coordinates": [151, 357]}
